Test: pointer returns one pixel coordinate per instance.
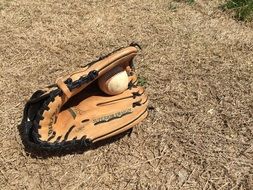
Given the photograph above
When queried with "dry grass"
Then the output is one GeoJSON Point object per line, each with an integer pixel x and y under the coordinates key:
{"type": "Point", "coordinates": [199, 70]}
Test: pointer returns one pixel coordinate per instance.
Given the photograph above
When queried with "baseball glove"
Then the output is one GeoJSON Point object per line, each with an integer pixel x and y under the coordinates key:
{"type": "Point", "coordinates": [87, 106]}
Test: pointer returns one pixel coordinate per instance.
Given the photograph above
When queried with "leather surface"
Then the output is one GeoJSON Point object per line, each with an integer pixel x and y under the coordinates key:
{"type": "Point", "coordinates": [97, 116]}
{"type": "Point", "coordinates": [86, 112]}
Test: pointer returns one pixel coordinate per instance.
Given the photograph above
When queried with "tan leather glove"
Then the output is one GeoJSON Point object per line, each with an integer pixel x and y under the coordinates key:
{"type": "Point", "coordinates": [75, 112]}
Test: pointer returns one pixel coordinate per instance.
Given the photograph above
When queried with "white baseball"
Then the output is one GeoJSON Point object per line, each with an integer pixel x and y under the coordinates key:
{"type": "Point", "coordinates": [114, 82]}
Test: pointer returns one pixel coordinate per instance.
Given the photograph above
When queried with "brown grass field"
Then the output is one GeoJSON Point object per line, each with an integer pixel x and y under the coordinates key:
{"type": "Point", "coordinates": [198, 65]}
